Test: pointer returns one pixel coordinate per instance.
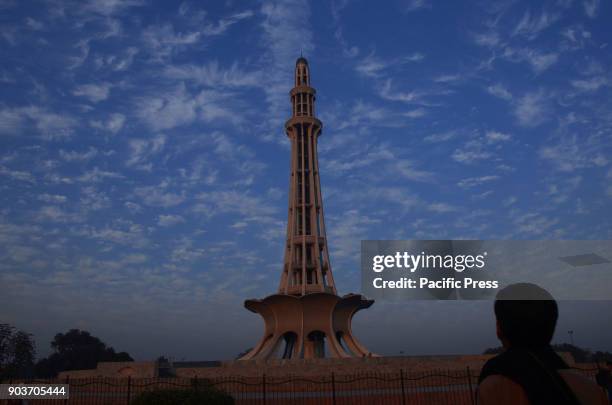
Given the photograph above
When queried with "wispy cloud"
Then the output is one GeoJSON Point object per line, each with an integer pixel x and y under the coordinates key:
{"type": "Point", "coordinates": [591, 84]}
{"type": "Point", "coordinates": [93, 92]}
{"type": "Point", "coordinates": [530, 25]}
{"type": "Point", "coordinates": [212, 75]}
{"type": "Point", "coordinates": [97, 175]}
{"type": "Point", "coordinates": [476, 181]}
{"type": "Point", "coordinates": [496, 136]}
{"type": "Point", "coordinates": [71, 156]}
{"type": "Point", "coordinates": [532, 109]}
{"type": "Point", "coordinates": [141, 150]}
{"type": "Point", "coordinates": [569, 153]}
{"type": "Point", "coordinates": [18, 175]}
{"type": "Point", "coordinates": [178, 106]}
{"type": "Point", "coordinates": [440, 137]}
{"type": "Point", "coordinates": [499, 91]}
{"type": "Point", "coordinates": [591, 7]}
{"type": "Point", "coordinates": [169, 220]}
{"type": "Point", "coordinates": [286, 33]}
{"type": "Point", "coordinates": [49, 125]}
{"type": "Point", "coordinates": [414, 5]}
{"type": "Point", "coordinates": [113, 124]}
{"type": "Point", "coordinates": [159, 196]}
{"type": "Point", "coordinates": [539, 61]}
{"type": "Point", "coordinates": [375, 67]}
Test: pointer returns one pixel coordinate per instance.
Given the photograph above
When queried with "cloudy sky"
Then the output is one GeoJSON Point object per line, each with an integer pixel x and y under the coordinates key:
{"type": "Point", "coordinates": [144, 168]}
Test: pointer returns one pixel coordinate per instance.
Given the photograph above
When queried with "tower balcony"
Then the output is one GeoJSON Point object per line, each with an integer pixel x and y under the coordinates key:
{"type": "Point", "coordinates": [308, 239]}
{"type": "Point", "coordinates": [310, 288]}
{"type": "Point", "coordinates": [303, 119]}
{"type": "Point", "coordinates": [302, 89]}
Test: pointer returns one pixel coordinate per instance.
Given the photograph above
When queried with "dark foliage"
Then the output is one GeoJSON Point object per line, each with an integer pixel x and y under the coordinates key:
{"type": "Point", "coordinates": [195, 396]}
{"type": "Point", "coordinates": [76, 350]}
{"type": "Point", "coordinates": [17, 352]}
{"type": "Point", "coordinates": [580, 355]}
{"type": "Point", "coordinates": [164, 367]}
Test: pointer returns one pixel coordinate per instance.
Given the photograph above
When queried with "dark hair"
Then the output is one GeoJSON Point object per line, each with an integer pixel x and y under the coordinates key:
{"type": "Point", "coordinates": [527, 315]}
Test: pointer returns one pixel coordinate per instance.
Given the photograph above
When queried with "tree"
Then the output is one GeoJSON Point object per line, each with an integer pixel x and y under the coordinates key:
{"type": "Point", "coordinates": [6, 331]}
{"type": "Point", "coordinates": [17, 353]}
{"type": "Point", "coordinates": [204, 394]}
{"type": "Point", "coordinates": [579, 354]}
{"type": "Point", "coordinates": [77, 350]}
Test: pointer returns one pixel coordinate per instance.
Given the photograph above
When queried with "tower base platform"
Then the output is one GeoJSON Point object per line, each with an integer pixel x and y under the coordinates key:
{"type": "Point", "coordinates": [315, 325]}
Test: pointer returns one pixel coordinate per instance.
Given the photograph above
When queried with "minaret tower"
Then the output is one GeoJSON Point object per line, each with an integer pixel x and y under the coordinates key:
{"type": "Point", "coordinates": [306, 267]}
{"type": "Point", "coordinates": [306, 318]}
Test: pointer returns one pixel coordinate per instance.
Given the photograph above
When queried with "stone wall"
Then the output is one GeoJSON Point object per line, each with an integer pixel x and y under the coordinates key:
{"type": "Point", "coordinates": [296, 367]}
{"type": "Point", "coordinates": [137, 369]}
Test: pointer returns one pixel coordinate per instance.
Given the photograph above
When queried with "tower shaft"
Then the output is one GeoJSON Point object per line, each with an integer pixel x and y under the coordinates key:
{"type": "Point", "coordinates": [306, 265]}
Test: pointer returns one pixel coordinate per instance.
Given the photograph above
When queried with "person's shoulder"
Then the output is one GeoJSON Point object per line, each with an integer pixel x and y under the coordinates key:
{"type": "Point", "coordinates": [495, 365]}
{"type": "Point", "coordinates": [587, 390]}
{"type": "Point", "coordinates": [500, 390]}
{"type": "Point", "coordinates": [495, 360]}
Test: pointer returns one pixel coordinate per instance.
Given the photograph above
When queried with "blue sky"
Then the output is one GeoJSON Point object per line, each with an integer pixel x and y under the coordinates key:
{"type": "Point", "coordinates": [144, 168]}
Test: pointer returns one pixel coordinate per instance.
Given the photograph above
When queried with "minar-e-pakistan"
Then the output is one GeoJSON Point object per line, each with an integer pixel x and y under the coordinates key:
{"type": "Point", "coordinates": [306, 318]}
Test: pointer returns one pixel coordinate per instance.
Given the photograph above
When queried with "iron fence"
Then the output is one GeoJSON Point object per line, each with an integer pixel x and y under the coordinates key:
{"type": "Point", "coordinates": [439, 387]}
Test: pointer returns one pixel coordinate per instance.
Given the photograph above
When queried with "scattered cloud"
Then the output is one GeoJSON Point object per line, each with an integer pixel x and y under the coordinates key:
{"type": "Point", "coordinates": [169, 220]}
{"type": "Point", "coordinates": [476, 181]}
{"type": "Point", "coordinates": [530, 25]}
{"type": "Point", "coordinates": [141, 150]}
{"type": "Point", "coordinates": [539, 61]}
{"type": "Point", "coordinates": [49, 125]}
{"type": "Point", "coordinates": [570, 154]}
{"type": "Point", "coordinates": [499, 91]}
{"type": "Point", "coordinates": [97, 175]}
{"type": "Point", "coordinates": [113, 124]}
{"type": "Point", "coordinates": [591, 7]}
{"type": "Point", "coordinates": [212, 75]}
{"type": "Point", "coordinates": [472, 152]}
{"type": "Point", "coordinates": [93, 92]}
{"type": "Point", "coordinates": [72, 156]}
{"type": "Point", "coordinates": [495, 136]}
{"type": "Point", "coordinates": [591, 84]}
{"type": "Point", "coordinates": [416, 113]}
{"type": "Point", "coordinates": [440, 137]}
{"type": "Point", "coordinates": [158, 196]}
{"type": "Point", "coordinates": [532, 109]}
{"type": "Point", "coordinates": [18, 175]}
{"type": "Point", "coordinates": [34, 25]}
{"type": "Point", "coordinates": [414, 5]}
{"type": "Point", "coordinates": [52, 198]}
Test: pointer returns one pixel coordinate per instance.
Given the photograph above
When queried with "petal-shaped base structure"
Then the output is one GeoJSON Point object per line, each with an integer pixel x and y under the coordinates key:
{"type": "Point", "coordinates": [310, 326]}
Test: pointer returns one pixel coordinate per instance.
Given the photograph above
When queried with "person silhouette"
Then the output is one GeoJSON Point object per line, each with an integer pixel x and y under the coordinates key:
{"type": "Point", "coordinates": [528, 371]}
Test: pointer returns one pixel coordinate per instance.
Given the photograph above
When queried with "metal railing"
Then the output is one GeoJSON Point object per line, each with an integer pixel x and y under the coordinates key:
{"type": "Point", "coordinates": [457, 387]}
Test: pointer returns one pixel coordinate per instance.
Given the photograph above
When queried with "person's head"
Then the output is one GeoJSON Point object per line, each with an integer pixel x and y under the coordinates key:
{"type": "Point", "coordinates": [526, 315]}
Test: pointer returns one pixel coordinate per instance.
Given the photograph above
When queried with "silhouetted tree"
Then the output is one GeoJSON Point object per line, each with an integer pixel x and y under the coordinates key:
{"type": "Point", "coordinates": [17, 352]}
{"type": "Point", "coordinates": [164, 367]}
{"type": "Point", "coordinates": [77, 350]}
{"type": "Point", "coordinates": [493, 350]}
{"type": "Point", "coordinates": [579, 354]}
{"type": "Point", "coordinates": [6, 331]}
{"type": "Point", "coordinates": [605, 357]}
